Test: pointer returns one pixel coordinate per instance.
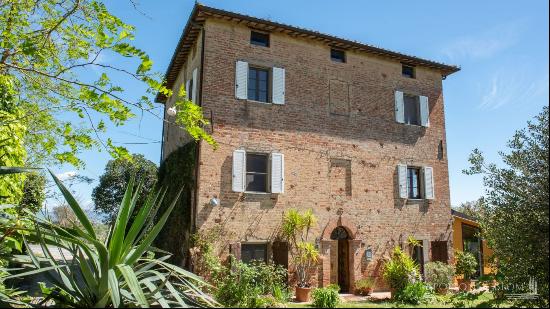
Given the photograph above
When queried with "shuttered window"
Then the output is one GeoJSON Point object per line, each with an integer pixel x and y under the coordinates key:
{"type": "Point", "coordinates": [259, 84]}
{"type": "Point", "coordinates": [258, 172]}
{"type": "Point", "coordinates": [412, 109]}
{"type": "Point", "coordinates": [415, 182]}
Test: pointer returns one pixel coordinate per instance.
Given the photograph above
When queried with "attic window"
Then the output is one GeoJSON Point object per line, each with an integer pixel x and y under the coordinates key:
{"type": "Point", "coordinates": [260, 39]}
{"type": "Point", "coordinates": [337, 55]}
{"type": "Point", "coordinates": [407, 71]}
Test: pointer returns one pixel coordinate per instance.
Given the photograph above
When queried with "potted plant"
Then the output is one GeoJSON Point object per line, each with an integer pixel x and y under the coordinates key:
{"type": "Point", "coordinates": [439, 275]}
{"type": "Point", "coordinates": [466, 266]}
{"type": "Point", "coordinates": [400, 271]}
{"type": "Point", "coordinates": [364, 286]}
{"type": "Point", "coordinates": [295, 229]}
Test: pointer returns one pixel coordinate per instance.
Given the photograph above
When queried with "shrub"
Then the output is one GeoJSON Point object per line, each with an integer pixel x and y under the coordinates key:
{"type": "Point", "coordinates": [400, 270]}
{"type": "Point", "coordinates": [466, 264]}
{"type": "Point", "coordinates": [252, 285]}
{"type": "Point", "coordinates": [119, 272]}
{"type": "Point", "coordinates": [439, 275]}
{"type": "Point", "coordinates": [326, 297]}
{"type": "Point", "coordinates": [413, 293]}
{"type": "Point", "coordinates": [364, 286]}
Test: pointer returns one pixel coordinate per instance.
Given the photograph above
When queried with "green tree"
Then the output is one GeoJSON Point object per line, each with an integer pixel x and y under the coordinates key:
{"type": "Point", "coordinates": [516, 216]}
{"type": "Point", "coordinates": [112, 184]}
{"type": "Point", "coordinates": [45, 46]}
{"type": "Point", "coordinates": [34, 192]}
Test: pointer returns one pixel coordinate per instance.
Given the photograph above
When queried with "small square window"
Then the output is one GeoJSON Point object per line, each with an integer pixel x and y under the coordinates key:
{"type": "Point", "coordinates": [256, 172]}
{"type": "Point", "coordinates": [412, 109]}
{"type": "Point", "coordinates": [260, 39]}
{"type": "Point", "coordinates": [337, 55]}
{"type": "Point", "coordinates": [407, 71]}
{"type": "Point", "coordinates": [258, 84]}
{"type": "Point", "coordinates": [254, 252]}
{"type": "Point", "coordinates": [413, 183]}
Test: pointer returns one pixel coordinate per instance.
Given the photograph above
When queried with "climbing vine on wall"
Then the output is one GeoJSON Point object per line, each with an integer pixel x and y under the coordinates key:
{"type": "Point", "coordinates": [175, 172]}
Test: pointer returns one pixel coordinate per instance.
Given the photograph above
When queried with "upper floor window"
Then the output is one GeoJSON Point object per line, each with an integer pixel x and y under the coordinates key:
{"type": "Point", "coordinates": [407, 71]}
{"type": "Point", "coordinates": [412, 109]}
{"type": "Point", "coordinates": [260, 39]}
{"type": "Point", "coordinates": [413, 182]}
{"type": "Point", "coordinates": [254, 252]}
{"type": "Point", "coordinates": [256, 172]}
{"type": "Point", "coordinates": [337, 55]}
{"type": "Point", "coordinates": [258, 84]}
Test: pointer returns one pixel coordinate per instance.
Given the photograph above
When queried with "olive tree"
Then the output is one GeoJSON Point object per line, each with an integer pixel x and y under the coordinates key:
{"type": "Point", "coordinates": [515, 218]}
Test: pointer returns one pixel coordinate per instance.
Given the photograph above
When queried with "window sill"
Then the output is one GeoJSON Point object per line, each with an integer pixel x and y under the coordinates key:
{"type": "Point", "coordinates": [413, 125]}
{"type": "Point", "coordinates": [258, 193]}
{"type": "Point", "coordinates": [261, 102]}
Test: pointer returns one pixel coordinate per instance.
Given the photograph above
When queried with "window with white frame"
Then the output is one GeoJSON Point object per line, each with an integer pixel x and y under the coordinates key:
{"type": "Point", "coordinates": [257, 172]}
{"type": "Point", "coordinates": [412, 109]}
{"type": "Point", "coordinates": [415, 182]}
{"type": "Point", "coordinates": [258, 83]}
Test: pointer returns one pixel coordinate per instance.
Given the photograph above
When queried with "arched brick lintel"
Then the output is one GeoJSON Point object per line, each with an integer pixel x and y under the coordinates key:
{"type": "Point", "coordinates": [342, 221]}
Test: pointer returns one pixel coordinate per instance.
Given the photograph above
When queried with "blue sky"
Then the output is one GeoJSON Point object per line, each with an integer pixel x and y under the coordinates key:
{"type": "Point", "coordinates": [501, 46]}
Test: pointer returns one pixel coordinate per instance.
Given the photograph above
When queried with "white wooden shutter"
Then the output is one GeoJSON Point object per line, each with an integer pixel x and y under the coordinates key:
{"type": "Point", "coordinates": [277, 173]}
{"type": "Point", "coordinates": [241, 80]}
{"type": "Point", "coordinates": [239, 170]}
{"type": "Point", "coordinates": [194, 98]}
{"type": "Point", "coordinates": [428, 183]}
{"type": "Point", "coordinates": [424, 111]}
{"type": "Point", "coordinates": [399, 107]}
{"type": "Point", "coordinates": [278, 86]}
{"type": "Point", "coordinates": [402, 179]}
{"type": "Point", "coordinates": [187, 89]}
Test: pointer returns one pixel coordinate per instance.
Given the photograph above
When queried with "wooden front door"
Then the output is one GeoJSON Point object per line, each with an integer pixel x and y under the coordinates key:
{"type": "Point", "coordinates": [343, 265]}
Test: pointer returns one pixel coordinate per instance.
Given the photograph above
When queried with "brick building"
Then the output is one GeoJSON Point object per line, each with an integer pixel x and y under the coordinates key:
{"type": "Point", "coordinates": [311, 121]}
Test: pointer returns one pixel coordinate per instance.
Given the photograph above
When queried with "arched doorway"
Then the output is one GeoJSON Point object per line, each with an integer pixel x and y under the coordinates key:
{"type": "Point", "coordinates": [341, 235]}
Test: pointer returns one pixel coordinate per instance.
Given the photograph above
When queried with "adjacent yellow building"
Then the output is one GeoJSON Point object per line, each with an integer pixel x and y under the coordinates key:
{"type": "Point", "coordinates": [467, 237]}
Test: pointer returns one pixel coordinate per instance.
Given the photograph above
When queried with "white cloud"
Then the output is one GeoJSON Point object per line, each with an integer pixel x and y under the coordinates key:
{"type": "Point", "coordinates": [66, 175]}
{"type": "Point", "coordinates": [512, 89]}
{"type": "Point", "coordinates": [486, 43]}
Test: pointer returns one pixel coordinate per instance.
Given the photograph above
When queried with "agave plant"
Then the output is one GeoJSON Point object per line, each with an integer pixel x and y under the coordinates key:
{"type": "Point", "coordinates": [121, 271]}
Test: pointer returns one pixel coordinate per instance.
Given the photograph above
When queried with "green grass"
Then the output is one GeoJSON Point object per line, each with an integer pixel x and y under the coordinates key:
{"type": "Point", "coordinates": [485, 300]}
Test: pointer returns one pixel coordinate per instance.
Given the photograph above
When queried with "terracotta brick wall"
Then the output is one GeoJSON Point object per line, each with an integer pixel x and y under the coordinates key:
{"type": "Point", "coordinates": [311, 134]}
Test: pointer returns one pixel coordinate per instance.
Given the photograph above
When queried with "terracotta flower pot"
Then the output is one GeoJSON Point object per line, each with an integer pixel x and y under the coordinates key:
{"type": "Point", "coordinates": [442, 291]}
{"type": "Point", "coordinates": [303, 294]}
{"type": "Point", "coordinates": [464, 285]}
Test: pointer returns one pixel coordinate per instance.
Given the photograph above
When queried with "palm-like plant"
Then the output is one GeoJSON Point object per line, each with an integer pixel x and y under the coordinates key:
{"type": "Point", "coordinates": [118, 272]}
{"type": "Point", "coordinates": [296, 228]}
